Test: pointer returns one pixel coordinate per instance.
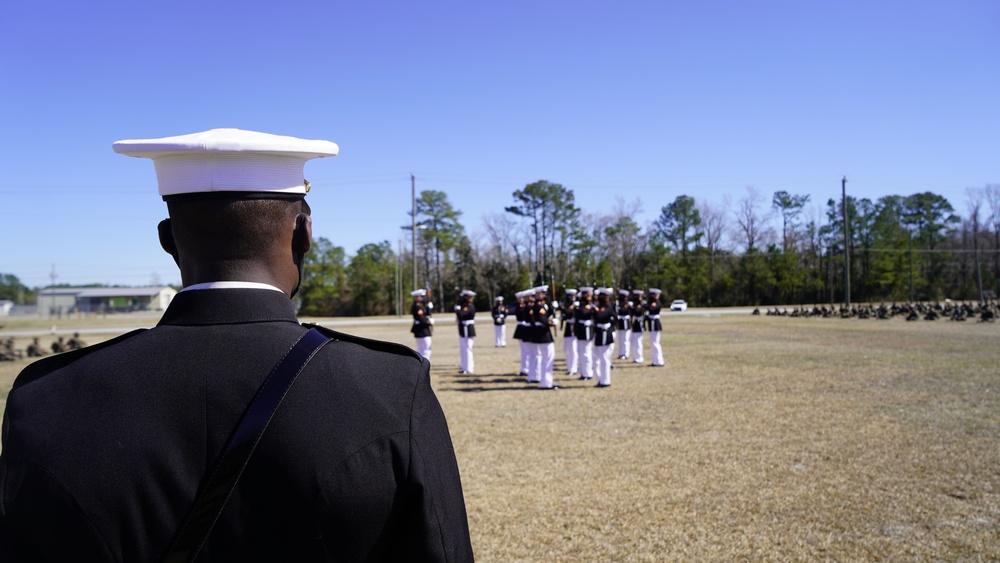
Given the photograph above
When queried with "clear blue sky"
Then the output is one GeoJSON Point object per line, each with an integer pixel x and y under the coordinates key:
{"type": "Point", "coordinates": [640, 100]}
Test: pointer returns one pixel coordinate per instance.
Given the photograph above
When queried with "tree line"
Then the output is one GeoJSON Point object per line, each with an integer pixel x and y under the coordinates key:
{"type": "Point", "coordinates": [754, 250]}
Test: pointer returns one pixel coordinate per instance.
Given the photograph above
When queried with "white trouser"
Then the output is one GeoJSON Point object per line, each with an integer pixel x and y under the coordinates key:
{"type": "Point", "coordinates": [525, 356]}
{"type": "Point", "coordinates": [534, 362]}
{"type": "Point", "coordinates": [636, 343]}
{"type": "Point", "coordinates": [655, 348]}
{"type": "Point", "coordinates": [585, 351]}
{"type": "Point", "coordinates": [465, 359]}
{"type": "Point", "coordinates": [572, 360]}
{"type": "Point", "coordinates": [547, 360]}
{"type": "Point", "coordinates": [602, 355]}
{"type": "Point", "coordinates": [424, 347]}
{"type": "Point", "coordinates": [500, 331]}
{"type": "Point", "coordinates": [622, 337]}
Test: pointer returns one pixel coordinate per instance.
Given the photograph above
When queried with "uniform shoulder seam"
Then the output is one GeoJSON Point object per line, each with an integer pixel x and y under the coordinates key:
{"type": "Point", "coordinates": [380, 345]}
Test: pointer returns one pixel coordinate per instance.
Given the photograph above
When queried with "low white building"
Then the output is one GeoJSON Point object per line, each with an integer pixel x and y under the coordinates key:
{"type": "Point", "coordinates": [5, 306]}
{"type": "Point", "coordinates": [69, 300]}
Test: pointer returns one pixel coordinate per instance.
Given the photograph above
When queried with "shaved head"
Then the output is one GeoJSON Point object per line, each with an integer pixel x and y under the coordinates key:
{"type": "Point", "coordinates": [249, 239]}
{"type": "Point", "coordinates": [232, 229]}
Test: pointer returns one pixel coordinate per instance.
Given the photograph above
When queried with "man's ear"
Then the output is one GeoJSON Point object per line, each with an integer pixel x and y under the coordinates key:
{"type": "Point", "coordinates": [301, 237]}
{"type": "Point", "coordinates": [166, 233]}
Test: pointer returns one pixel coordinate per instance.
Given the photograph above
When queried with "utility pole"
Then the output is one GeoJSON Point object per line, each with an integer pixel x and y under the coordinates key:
{"type": "Point", "coordinates": [909, 238]}
{"type": "Point", "coordinates": [53, 275]}
{"type": "Point", "coordinates": [975, 244]}
{"type": "Point", "coordinates": [399, 280]}
{"type": "Point", "coordinates": [847, 246]}
{"type": "Point", "coordinates": [413, 226]}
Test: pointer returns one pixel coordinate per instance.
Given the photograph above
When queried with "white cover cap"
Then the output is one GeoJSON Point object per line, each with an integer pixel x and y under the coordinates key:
{"type": "Point", "coordinates": [468, 293]}
{"type": "Point", "coordinates": [623, 292]}
{"type": "Point", "coordinates": [228, 160]}
{"type": "Point", "coordinates": [586, 289]}
{"type": "Point", "coordinates": [498, 298]}
{"type": "Point", "coordinates": [655, 291]}
{"type": "Point", "coordinates": [603, 291]}
{"type": "Point", "coordinates": [541, 289]}
{"type": "Point", "coordinates": [418, 293]}
{"type": "Point", "coordinates": [571, 291]}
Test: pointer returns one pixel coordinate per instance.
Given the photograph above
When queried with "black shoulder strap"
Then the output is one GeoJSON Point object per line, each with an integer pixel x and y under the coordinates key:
{"type": "Point", "coordinates": [216, 489]}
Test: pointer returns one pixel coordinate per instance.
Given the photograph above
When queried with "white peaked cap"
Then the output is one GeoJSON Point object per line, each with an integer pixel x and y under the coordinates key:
{"type": "Point", "coordinates": [468, 293]}
{"type": "Point", "coordinates": [418, 293]}
{"type": "Point", "coordinates": [655, 291]}
{"type": "Point", "coordinates": [602, 291]}
{"type": "Point", "coordinates": [498, 298]}
{"type": "Point", "coordinates": [586, 290]}
{"type": "Point", "coordinates": [571, 291]}
{"type": "Point", "coordinates": [637, 292]}
{"type": "Point", "coordinates": [541, 289]}
{"type": "Point", "coordinates": [623, 292]}
{"type": "Point", "coordinates": [228, 160]}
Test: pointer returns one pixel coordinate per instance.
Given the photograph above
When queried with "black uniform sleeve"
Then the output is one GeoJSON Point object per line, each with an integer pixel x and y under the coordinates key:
{"type": "Point", "coordinates": [434, 524]}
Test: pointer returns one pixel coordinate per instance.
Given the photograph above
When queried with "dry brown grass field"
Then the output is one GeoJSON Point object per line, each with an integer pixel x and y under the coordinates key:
{"type": "Point", "coordinates": [763, 438]}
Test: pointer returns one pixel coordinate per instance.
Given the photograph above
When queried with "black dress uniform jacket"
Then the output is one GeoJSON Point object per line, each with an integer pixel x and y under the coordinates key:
{"type": "Point", "coordinates": [541, 318]}
{"type": "Point", "coordinates": [522, 314]}
{"type": "Point", "coordinates": [104, 448]}
{"type": "Point", "coordinates": [653, 316]}
{"type": "Point", "coordinates": [622, 320]}
{"type": "Point", "coordinates": [499, 314]}
{"type": "Point", "coordinates": [568, 318]}
{"type": "Point", "coordinates": [638, 314]}
{"type": "Point", "coordinates": [421, 321]}
{"type": "Point", "coordinates": [584, 322]}
{"type": "Point", "coordinates": [466, 316]}
{"type": "Point", "coordinates": [604, 325]}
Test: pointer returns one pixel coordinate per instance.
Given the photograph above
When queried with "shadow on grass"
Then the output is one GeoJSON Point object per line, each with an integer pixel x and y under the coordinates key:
{"type": "Point", "coordinates": [500, 382]}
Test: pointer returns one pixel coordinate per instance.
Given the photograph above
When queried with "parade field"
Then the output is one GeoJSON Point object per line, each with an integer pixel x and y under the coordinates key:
{"type": "Point", "coordinates": [763, 438]}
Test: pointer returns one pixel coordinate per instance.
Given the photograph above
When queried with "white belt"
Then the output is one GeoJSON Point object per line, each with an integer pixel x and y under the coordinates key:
{"type": "Point", "coordinates": [654, 316]}
{"type": "Point", "coordinates": [586, 322]}
{"type": "Point", "coordinates": [468, 322]}
{"type": "Point", "coordinates": [570, 321]}
{"type": "Point", "coordinates": [524, 323]}
{"type": "Point", "coordinates": [605, 326]}
{"type": "Point", "coordinates": [541, 324]}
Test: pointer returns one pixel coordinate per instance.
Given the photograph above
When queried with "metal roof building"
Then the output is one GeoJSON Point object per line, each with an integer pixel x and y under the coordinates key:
{"type": "Point", "coordinates": [68, 300]}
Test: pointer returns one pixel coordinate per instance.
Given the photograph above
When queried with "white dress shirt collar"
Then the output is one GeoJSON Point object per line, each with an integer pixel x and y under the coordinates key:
{"type": "Point", "coordinates": [230, 285]}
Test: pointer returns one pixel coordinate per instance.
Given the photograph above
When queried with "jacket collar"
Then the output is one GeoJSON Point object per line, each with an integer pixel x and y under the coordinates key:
{"type": "Point", "coordinates": [228, 306]}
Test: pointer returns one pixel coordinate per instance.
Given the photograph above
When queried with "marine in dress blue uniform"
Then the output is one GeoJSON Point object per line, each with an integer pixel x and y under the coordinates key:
{"type": "Point", "coordinates": [499, 313]}
{"type": "Point", "coordinates": [542, 324]}
{"type": "Point", "coordinates": [623, 326]}
{"type": "Point", "coordinates": [567, 318]}
{"type": "Point", "coordinates": [465, 317]}
{"type": "Point", "coordinates": [637, 314]}
{"type": "Point", "coordinates": [104, 448]}
{"type": "Point", "coordinates": [423, 323]}
{"type": "Point", "coordinates": [584, 332]}
{"type": "Point", "coordinates": [604, 336]}
{"type": "Point", "coordinates": [522, 314]}
{"type": "Point", "coordinates": [654, 326]}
